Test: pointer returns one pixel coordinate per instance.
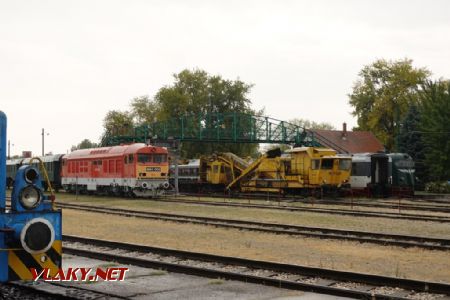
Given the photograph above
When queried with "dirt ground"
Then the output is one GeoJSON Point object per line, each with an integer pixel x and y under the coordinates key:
{"type": "Point", "coordinates": [417, 228]}
{"type": "Point", "coordinates": [340, 255]}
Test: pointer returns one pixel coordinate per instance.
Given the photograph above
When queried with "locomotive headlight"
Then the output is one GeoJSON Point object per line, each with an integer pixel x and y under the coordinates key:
{"type": "Point", "coordinates": [30, 197]}
{"type": "Point", "coordinates": [31, 174]}
{"type": "Point", "coordinates": [37, 236]}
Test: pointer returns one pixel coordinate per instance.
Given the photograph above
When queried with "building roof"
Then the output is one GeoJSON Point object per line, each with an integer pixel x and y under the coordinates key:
{"type": "Point", "coordinates": [350, 142]}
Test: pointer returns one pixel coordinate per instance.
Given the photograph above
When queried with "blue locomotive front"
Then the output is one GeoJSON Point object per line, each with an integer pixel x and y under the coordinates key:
{"type": "Point", "coordinates": [30, 231]}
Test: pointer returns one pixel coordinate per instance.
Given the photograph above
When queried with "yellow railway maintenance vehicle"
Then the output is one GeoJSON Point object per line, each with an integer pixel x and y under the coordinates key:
{"type": "Point", "coordinates": [302, 170]}
{"type": "Point", "coordinates": [218, 170]}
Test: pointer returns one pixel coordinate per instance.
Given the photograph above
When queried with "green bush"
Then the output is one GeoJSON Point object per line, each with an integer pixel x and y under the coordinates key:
{"type": "Point", "coordinates": [437, 187]}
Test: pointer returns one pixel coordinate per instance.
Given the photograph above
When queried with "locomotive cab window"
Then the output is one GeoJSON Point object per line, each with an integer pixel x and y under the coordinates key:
{"type": "Point", "coordinates": [144, 158]}
{"type": "Point", "coordinates": [327, 164]}
{"type": "Point", "coordinates": [159, 158]}
{"type": "Point", "coordinates": [130, 158]}
{"type": "Point", "coordinates": [345, 164]}
{"type": "Point", "coordinates": [315, 164]}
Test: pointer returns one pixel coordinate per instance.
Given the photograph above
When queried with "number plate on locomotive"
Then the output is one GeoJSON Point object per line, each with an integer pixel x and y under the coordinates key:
{"type": "Point", "coordinates": [153, 169]}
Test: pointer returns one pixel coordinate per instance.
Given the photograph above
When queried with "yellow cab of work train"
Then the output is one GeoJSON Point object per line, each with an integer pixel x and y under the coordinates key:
{"type": "Point", "coordinates": [218, 173]}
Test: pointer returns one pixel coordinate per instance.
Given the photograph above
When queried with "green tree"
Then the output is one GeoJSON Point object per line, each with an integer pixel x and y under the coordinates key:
{"type": "Point", "coordinates": [435, 127]}
{"type": "Point", "coordinates": [410, 141]}
{"type": "Point", "coordinates": [308, 124]}
{"type": "Point", "coordinates": [382, 94]}
{"type": "Point", "coordinates": [198, 93]}
{"type": "Point", "coordinates": [143, 110]}
{"type": "Point", "coordinates": [117, 123]}
{"type": "Point", "coordinates": [84, 144]}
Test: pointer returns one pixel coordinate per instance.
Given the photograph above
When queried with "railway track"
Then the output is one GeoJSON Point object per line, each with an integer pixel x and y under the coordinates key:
{"type": "Point", "coordinates": [384, 203]}
{"type": "Point", "coordinates": [420, 202]}
{"type": "Point", "coordinates": [337, 211]}
{"type": "Point", "coordinates": [392, 204]}
{"type": "Point", "coordinates": [275, 228]}
{"type": "Point", "coordinates": [318, 280]}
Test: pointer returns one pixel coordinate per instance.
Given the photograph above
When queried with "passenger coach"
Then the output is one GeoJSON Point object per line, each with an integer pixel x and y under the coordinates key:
{"type": "Point", "coordinates": [383, 174]}
{"type": "Point", "coordinates": [134, 170]}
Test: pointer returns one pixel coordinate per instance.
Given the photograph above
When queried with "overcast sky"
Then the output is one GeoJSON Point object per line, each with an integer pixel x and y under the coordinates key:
{"type": "Point", "coordinates": [65, 64]}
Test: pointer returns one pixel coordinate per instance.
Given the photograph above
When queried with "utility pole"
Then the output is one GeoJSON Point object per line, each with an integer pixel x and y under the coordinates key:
{"type": "Point", "coordinates": [176, 152]}
{"type": "Point", "coordinates": [9, 149]}
{"type": "Point", "coordinates": [43, 141]}
{"type": "Point", "coordinates": [177, 191]}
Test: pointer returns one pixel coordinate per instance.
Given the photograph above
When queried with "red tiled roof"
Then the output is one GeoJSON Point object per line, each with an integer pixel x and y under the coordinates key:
{"type": "Point", "coordinates": [352, 142]}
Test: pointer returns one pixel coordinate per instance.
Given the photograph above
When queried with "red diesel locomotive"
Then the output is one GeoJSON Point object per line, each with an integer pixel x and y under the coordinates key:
{"type": "Point", "coordinates": [135, 170]}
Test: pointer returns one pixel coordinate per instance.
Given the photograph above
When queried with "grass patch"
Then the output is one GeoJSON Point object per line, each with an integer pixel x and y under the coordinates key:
{"type": "Point", "coordinates": [157, 273]}
{"type": "Point", "coordinates": [216, 281]}
{"type": "Point", "coordinates": [108, 265]}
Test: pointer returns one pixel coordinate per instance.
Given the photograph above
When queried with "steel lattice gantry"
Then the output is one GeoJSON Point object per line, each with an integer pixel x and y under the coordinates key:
{"type": "Point", "coordinates": [230, 127]}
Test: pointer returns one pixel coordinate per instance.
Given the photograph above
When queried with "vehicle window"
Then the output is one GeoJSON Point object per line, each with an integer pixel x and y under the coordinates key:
{"type": "Point", "coordinates": [144, 157]}
{"type": "Point", "coordinates": [345, 164]}
{"type": "Point", "coordinates": [361, 169]}
{"type": "Point", "coordinates": [315, 164]}
{"type": "Point", "coordinates": [130, 158]}
{"type": "Point", "coordinates": [215, 169]}
{"type": "Point", "coordinates": [404, 164]}
{"type": "Point", "coordinates": [327, 164]}
{"type": "Point", "coordinates": [159, 158]}
{"type": "Point", "coordinates": [287, 167]}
